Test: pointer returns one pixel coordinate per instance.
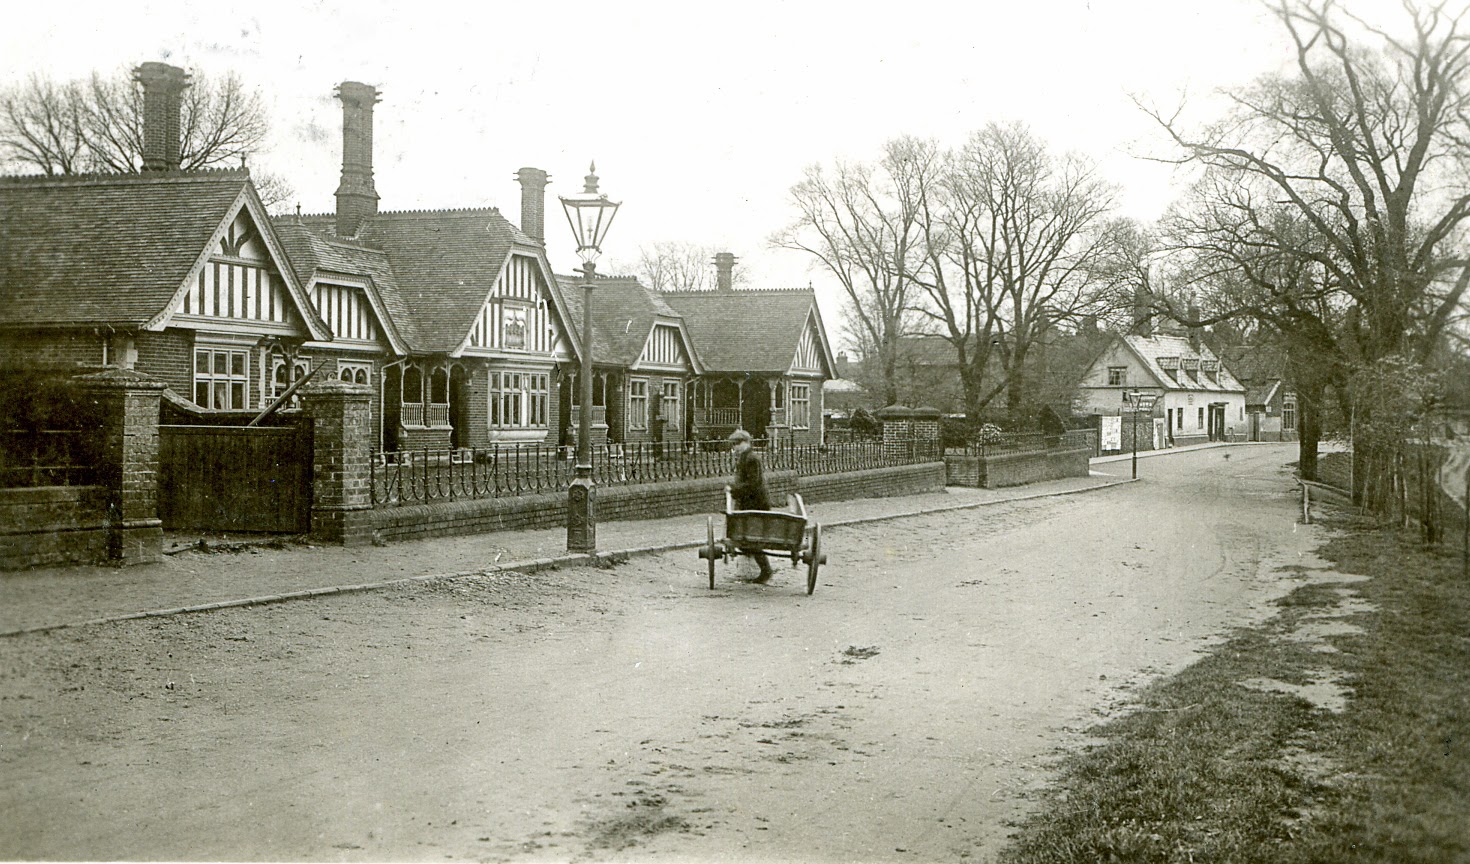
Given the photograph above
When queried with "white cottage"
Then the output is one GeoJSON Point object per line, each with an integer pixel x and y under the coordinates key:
{"type": "Point", "coordinates": [1197, 397]}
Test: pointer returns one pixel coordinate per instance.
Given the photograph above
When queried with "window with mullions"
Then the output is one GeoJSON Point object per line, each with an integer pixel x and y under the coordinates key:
{"type": "Point", "coordinates": [1117, 375]}
{"type": "Point", "coordinates": [637, 404]}
{"type": "Point", "coordinates": [1288, 413]}
{"type": "Point", "coordinates": [669, 407]}
{"type": "Point", "coordinates": [519, 400]}
{"type": "Point", "coordinates": [284, 374]}
{"type": "Point", "coordinates": [354, 373]}
{"type": "Point", "coordinates": [801, 406]}
{"type": "Point", "coordinates": [221, 381]}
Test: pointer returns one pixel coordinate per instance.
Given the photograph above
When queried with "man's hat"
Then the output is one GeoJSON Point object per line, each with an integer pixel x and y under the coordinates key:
{"type": "Point", "coordinates": [739, 435]}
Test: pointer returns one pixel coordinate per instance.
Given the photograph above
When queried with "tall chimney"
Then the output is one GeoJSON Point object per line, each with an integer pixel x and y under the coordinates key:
{"type": "Point", "coordinates": [724, 272]}
{"type": "Point", "coordinates": [162, 86]}
{"type": "Point", "coordinates": [533, 202]}
{"type": "Point", "coordinates": [1194, 327]}
{"type": "Point", "coordinates": [357, 199]}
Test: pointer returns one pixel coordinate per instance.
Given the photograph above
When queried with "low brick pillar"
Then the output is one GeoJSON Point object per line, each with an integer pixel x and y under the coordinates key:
{"type": "Point", "coordinates": [898, 431]}
{"type": "Point", "coordinates": [342, 444]}
{"type": "Point", "coordinates": [126, 405]}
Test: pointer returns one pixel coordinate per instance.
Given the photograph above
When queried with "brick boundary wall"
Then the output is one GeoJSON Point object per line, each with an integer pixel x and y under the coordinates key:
{"type": "Point", "coordinates": [644, 501]}
{"type": "Point", "coordinates": [1016, 469]}
{"type": "Point", "coordinates": [53, 525]}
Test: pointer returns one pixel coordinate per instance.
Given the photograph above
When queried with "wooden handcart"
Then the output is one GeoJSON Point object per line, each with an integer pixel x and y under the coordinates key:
{"type": "Point", "coordinates": [774, 532]}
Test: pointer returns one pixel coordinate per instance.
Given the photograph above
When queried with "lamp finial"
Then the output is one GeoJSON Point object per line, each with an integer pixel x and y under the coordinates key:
{"type": "Point", "coordinates": [591, 179]}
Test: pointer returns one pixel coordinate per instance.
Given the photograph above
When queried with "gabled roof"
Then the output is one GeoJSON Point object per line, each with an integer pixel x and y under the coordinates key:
{"type": "Point", "coordinates": [1149, 350]}
{"type": "Point", "coordinates": [624, 314]}
{"type": "Point", "coordinates": [106, 249]}
{"type": "Point", "coordinates": [1263, 393]}
{"type": "Point", "coordinates": [445, 263]}
{"type": "Point", "coordinates": [749, 331]}
{"type": "Point", "coordinates": [313, 254]}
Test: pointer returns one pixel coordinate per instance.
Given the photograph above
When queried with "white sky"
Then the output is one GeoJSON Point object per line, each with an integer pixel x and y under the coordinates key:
{"type": "Point", "coordinates": [700, 122]}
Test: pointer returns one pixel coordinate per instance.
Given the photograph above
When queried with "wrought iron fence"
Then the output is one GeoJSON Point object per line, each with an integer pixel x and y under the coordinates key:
{"type": "Point", "coordinates": [47, 457]}
{"type": "Point", "coordinates": [423, 476]}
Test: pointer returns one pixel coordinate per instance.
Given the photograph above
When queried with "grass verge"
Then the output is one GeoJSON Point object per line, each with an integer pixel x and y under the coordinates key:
{"type": "Point", "coordinates": [1212, 767]}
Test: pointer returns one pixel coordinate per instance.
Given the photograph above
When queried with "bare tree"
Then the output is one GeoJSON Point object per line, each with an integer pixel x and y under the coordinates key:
{"type": "Point", "coordinates": [1354, 169]}
{"type": "Point", "coordinates": [671, 265]}
{"type": "Point", "coordinates": [97, 124]}
{"type": "Point", "coordinates": [861, 223]}
{"type": "Point", "coordinates": [41, 126]}
{"type": "Point", "coordinates": [1029, 231]}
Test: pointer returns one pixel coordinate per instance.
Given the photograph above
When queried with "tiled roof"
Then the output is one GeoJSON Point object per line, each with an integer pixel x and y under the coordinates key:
{"type": "Point", "coordinates": [744, 331]}
{"type": "Point", "coordinates": [1154, 348]}
{"type": "Point", "coordinates": [1261, 394]}
{"type": "Point", "coordinates": [108, 249]}
{"type": "Point", "coordinates": [445, 262]}
{"type": "Point", "coordinates": [623, 310]}
{"type": "Point", "coordinates": [310, 252]}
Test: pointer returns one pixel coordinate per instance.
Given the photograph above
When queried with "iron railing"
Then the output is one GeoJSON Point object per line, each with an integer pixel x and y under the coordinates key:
{"type": "Point", "coordinates": [423, 476]}
{"type": "Point", "coordinates": [47, 457]}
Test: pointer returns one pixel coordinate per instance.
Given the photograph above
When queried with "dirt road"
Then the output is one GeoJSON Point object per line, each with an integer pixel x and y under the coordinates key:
{"type": "Point", "coordinates": [902, 713]}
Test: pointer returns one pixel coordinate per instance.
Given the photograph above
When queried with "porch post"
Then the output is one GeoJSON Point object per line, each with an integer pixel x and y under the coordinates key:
{"type": "Point", "coordinates": [127, 405]}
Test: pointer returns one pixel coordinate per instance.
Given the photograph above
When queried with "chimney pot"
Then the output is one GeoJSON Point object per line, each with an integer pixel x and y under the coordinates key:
{"type": "Point", "coordinates": [533, 202]}
{"type": "Point", "coordinates": [162, 86]}
{"type": "Point", "coordinates": [357, 197]}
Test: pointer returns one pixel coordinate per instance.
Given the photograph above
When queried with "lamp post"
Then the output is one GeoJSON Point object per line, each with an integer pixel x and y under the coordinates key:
{"type": "Point", "coordinates": [590, 214]}
{"type": "Point", "coordinates": [1140, 402]}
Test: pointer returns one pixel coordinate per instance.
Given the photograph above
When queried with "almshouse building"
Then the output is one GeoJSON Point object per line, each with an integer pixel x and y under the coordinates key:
{"type": "Point", "coordinates": [178, 275]}
{"type": "Point", "coordinates": [764, 354]}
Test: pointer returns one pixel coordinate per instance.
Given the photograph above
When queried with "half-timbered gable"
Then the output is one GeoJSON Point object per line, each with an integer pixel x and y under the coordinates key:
{"type": "Point", "coordinates": [517, 317]}
{"type": "Point", "coordinates": [665, 349]}
{"type": "Point", "coordinates": [812, 353]}
{"type": "Point", "coordinates": [240, 286]}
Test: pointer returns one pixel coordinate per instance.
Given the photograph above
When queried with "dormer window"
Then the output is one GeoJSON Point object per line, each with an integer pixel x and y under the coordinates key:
{"type": "Point", "coordinates": [1170, 365]}
{"type": "Point", "coordinates": [1191, 366]}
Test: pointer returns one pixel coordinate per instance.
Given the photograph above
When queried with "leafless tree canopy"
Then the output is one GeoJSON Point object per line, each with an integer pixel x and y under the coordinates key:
{"type": "Point", "coordinates": [861, 223]}
{"type": "Point", "coordinates": [1334, 201]}
{"type": "Point", "coordinates": [986, 247]}
{"type": "Point", "coordinates": [671, 265]}
{"type": "Point", "coordinates": [96, 125]}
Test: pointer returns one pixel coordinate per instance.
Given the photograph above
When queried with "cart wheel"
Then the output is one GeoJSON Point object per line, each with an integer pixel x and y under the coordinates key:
{"type": "Point", "coordinates": [815, 560]}
{"type": "Point", "coordinates": [710, 549]}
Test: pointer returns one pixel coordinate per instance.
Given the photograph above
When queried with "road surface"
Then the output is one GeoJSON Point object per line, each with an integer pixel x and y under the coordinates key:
{"type": "Point", "coordinates": [905, 712]}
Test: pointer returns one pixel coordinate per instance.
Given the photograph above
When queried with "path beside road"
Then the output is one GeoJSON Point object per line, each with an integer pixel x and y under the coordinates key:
{"type": "Point", "coordinates": [249, 573]}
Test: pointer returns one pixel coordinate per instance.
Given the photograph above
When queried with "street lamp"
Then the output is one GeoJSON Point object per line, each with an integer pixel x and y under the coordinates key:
{"type": "Point", "coordinates": [590, 214]}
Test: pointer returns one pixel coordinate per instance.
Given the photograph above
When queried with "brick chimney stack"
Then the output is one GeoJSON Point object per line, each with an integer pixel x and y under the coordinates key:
{"type": "Point", "coordinates": [533, 202]}
{"type": "Point", "coordinates": [724, 272]}
{"type": "Point", "coordinates": [357, 198]}
{"type": "Point", "coordinates": [162, 87]}
{"type": "Point", "coordinates": [1194, 328]}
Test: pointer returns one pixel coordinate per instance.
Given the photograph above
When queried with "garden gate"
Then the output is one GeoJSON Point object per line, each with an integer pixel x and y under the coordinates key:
{"type": "Point", "coordinates": [235, 478]}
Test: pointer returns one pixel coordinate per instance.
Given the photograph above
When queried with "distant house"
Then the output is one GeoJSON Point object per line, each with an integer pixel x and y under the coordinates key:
{"type": "Point", "coordinates": [764, 357]}
{"type": "Point", "coordinates": [1270, 402]}
{"type": "Point", "coordinates": [643, 364]}
{"type": "Point", "coordinates": [1197, 396]}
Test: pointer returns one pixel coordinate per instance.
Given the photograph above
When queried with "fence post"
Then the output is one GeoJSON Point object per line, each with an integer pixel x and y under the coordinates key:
{"type": "Point", "coordinates": [127, 409]}
{"type": "Point", "coordinates": [341, 491]}
{"type": "Point", "coordinates": [925, 430]}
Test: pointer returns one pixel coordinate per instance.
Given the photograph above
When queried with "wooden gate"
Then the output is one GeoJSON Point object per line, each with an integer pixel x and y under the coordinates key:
{"type": "Point", "coordinates": [234, 478]}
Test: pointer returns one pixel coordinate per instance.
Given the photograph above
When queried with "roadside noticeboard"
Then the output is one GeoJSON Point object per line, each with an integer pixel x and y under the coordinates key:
{"type": "Point", "coordinates": [1112, 432]}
